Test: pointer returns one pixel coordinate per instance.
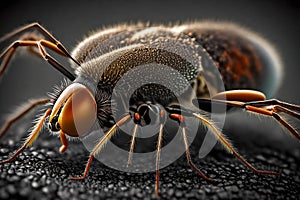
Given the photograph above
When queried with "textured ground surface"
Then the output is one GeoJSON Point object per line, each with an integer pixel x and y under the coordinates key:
{"type": "Point", "coordinates": [42, 173]}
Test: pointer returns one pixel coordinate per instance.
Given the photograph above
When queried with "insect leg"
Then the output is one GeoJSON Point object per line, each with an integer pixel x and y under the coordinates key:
{"type": "Point", "coordinates": [21, 113]}
{"type": "Point", "coordinates": [278, 109]}
{"type": "Point", "coordinates": [159, 143]}
{"type": "Point", "coordinates": [228, 146]}
{"type": "Point", "coordinates": [132, 145]}
{"type": "Point", "coordinates": [180, 119]}
{"type": "Point", "coordinates": [43, 31]}
{"type": "Point", "coordinates": [41, 44]}
{"type": "Point", "coordinates": [32, 137]}
{"type": "Point", "coordinates": [273, 102]}
{"type": "Point", "coordinates": [64, 142]}
{"type": "Point", "coordinates": [253, 98]}
{"type": "Point", "coordinates": [99, 146]}
{"type": "Point", "coordinates": [10, 52]}
{"type": "Point", "coordinates": [273, 110]}
{"type": "Point", "coordinates": [265, 107]}
{"type": "Point", "coordinates": [276, 106]}
{"type": "Point", "coordinates": [188, 156]}
{"type": "Point", "coordinates": [276, 116]}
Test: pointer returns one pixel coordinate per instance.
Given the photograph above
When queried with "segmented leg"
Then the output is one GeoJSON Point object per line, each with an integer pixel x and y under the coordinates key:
{"type": "Point", "coordinates": [31, 40]}
{"type": "Point", "coordinates": [64, 142]}
{"type": "Point", "coordinates": [32, 137]}
{"type": "Point", "coordinates": [279, 109]}
{"type": "Point", "coordinates": [10, 52]}
{"type": "Point", "coordinates": [228, 146]}
{"type": "Point", "coordinates": [276, 116]}
{"type": "Point", "coordinates": [21, 113]}
{"type": "Point", "coordinates": [44, 32]}
{"type": "Point", "coordinates": [180, 119]}
{"type": "Point", "coordinates": [270, 108]}
{"type": "Point", "coordinates": [188, 156]}
{"type": "Point", "coordinates": [99, 146]}
{"type": "Point", "coordinates": [159, 143]}
{"type": "Point", "coordinates": [132, 145]}
{"type": "Point", "coordinates": [41, 44]}
{"type": "Point", "coordinates": [272, 102]}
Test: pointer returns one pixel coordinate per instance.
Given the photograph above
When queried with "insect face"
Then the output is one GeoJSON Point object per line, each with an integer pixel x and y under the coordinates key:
{"type": "Point", "coordinates": [146, 114]}
{"type": "Point", "coordinates": [74, 112]}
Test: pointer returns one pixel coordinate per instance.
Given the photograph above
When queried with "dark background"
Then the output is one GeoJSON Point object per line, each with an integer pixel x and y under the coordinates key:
{"type": "Point", "coordinates": [30, 77]}
{"type": "Point", "coordinates": [69, 21]}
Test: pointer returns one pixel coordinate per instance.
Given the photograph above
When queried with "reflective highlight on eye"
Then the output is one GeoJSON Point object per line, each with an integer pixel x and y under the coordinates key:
{"type": "Point", "coordinates": [76, 110]}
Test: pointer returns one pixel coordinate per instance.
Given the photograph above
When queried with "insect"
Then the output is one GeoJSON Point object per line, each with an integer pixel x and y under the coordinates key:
{"type": "Point", "coordinates": [241, 59]}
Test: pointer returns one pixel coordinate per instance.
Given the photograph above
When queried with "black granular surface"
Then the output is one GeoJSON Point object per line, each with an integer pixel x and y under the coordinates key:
{"type": "Point", "coordinates": [42, 173]}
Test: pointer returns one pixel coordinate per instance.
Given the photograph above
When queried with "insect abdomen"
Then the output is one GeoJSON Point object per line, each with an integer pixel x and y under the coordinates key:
{"type": "Point", "coordinates": [244, 59]}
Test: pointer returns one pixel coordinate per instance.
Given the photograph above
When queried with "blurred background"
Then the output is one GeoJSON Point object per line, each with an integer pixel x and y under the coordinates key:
{"type": "Point", "coordinates": [69, 21]}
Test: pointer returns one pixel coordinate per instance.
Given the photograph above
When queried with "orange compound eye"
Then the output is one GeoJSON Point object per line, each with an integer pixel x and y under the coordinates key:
{"type": "Point", "coordinates": [78, 110]}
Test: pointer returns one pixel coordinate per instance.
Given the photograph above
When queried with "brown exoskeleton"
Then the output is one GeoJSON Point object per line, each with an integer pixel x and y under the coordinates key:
{"type": "Point", "coordinates": [241, 57]}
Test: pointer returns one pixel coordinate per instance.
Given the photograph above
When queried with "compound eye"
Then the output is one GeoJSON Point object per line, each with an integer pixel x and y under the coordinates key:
{"type": "Point", "coordinates": [79, 112]}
